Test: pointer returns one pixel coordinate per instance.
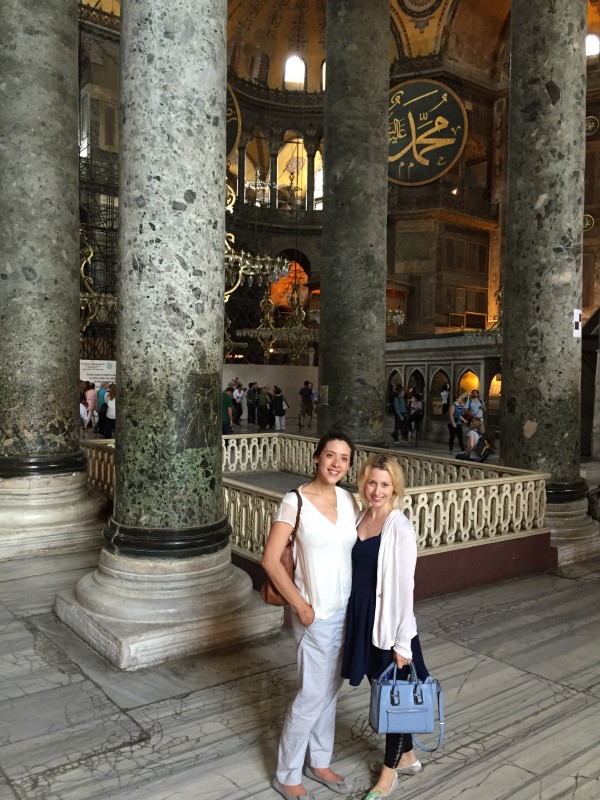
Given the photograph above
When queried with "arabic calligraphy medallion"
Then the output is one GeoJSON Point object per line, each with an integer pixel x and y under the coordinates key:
{"type": "Point", "coordinates": [427, 131]}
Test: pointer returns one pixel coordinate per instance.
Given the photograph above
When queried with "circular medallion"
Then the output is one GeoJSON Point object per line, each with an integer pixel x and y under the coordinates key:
{"type": "Point", "coordinates": [427, 131]}
{"type": "Point", "coordinates": [419, 8]}
{"type": "Point", "coordinates": [588, 222]}
{"type": "Point", "coordinates": [591, 125]}
{"type": "Point", "coordinates": [233, 122]}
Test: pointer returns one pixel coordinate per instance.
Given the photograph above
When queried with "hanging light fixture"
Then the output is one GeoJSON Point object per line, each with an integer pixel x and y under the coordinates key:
{"type": "Point", "coordinates": [242, 267]}
{"type": "Point", "coordinates": [93, 305]}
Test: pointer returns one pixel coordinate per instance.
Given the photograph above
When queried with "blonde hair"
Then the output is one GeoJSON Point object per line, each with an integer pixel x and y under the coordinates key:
{"type": "Point", "coordinates": [392, 467]}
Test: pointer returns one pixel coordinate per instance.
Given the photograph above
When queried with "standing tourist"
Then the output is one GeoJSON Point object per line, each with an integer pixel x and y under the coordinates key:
{"type": "Point", "coordinates": [306, 404]}
{"type": "Point", "coordinates": [279, 405]}
{"type": "Point", "coordinates": [318, 596]}
{"type": "Point", "coordinates": [227, 411]}
{"type": "Point", "coordinates": [111, 412]}
{"type": "Point", "coordinates": [455, 422]}
{"type": "Point", "coordinates": [251, 401]}
{"type": "Point", "coordinates": [381, 627]}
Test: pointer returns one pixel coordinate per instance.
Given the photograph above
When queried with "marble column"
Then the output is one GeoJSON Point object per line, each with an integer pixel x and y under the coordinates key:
{"type": "Point", "coordinates": [311, 151]}
{"type": "Point", "coordinates": [541, 363]}
{"type": "Point", "coordinates": [165, 585]}
{"type": "Point", "coordinates": [45, 505]}
{"type": "Point", "coordinates": [351, 366]}
{"type": "Point", "coordinates": [273, 153]}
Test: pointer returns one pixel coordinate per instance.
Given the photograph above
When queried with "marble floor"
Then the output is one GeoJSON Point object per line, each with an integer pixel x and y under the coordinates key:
{"type": "Point", "coordinates": [519, 663]}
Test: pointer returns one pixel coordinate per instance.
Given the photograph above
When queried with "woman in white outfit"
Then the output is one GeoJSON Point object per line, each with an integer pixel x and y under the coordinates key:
{"type": "Point", "coordinates": [318, 596]}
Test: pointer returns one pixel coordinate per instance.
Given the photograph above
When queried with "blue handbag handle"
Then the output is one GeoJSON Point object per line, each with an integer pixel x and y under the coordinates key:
{"type": "Point", "coordinates": [440, 701]}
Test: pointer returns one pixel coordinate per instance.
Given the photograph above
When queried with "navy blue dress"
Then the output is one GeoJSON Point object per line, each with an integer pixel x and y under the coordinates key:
{"type": "Point", "coordinates": [361, 657]}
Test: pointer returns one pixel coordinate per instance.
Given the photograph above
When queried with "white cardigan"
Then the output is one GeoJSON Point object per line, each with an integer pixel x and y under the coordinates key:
{"type": "Point", "coordinates": [395, 623]}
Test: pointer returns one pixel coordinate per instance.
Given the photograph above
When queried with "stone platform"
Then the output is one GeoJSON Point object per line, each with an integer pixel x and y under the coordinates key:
{"type": "Point", "coordinates": [518, 662]}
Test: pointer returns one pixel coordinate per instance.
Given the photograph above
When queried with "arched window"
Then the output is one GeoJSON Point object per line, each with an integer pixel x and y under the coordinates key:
{"type": "Point", "coordinates": [592, 45]}
{"type": "Point", "coordinates": [417, 381]}
{"type": "Point", "coordinates": [323, 76]}
{"type": "Point", "coordinates": [439, 383]}
{"type": "Point", "coordinates": [495, 394]}
{"type": "Point", "coordinates": [295, 73]}
{"type": "Point", "coordinates": [318, 181]}
{"type": "Point", "coordinates": [468, 382]}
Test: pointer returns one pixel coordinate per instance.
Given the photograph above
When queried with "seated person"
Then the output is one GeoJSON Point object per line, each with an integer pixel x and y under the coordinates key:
{"type": "Point", "coordinates": [473, 448]}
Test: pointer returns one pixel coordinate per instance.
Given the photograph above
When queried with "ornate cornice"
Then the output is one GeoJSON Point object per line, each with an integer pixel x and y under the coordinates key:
{"type": "Point", "coordinates": [94, 19]}
{"type": "Point", "coordinates": [276, 97]}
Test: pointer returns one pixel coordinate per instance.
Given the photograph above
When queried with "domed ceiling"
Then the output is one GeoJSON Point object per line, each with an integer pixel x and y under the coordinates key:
{"type": "Point", "coordinates": [472, 33]}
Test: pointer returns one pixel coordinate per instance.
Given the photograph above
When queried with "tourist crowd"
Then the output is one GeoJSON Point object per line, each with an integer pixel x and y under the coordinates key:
{"type": "Point", "coordinates": [266, 406]}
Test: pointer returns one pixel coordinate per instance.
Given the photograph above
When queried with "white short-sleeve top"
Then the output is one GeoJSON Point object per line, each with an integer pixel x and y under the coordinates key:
{"type": "Point", "coordinates": [323, 573]}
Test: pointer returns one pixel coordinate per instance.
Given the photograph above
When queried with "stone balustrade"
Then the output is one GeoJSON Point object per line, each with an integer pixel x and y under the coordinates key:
{"type": "Point", "coordinates": [450, 503]}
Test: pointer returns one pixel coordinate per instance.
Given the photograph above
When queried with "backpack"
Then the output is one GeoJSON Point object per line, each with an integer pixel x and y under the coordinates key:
{"type": "Point", "coordinates": [482, 448]}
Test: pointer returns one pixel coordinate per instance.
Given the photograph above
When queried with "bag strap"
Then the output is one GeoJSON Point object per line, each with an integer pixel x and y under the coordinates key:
{"type": "Point", "coordinates": [297, 523]}
{"type": "Point", "coordinates": [441, 722]}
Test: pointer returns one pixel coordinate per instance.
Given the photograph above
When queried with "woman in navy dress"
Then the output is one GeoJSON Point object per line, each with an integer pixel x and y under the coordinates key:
{"type": "Point", "coordinates": [381, 628]}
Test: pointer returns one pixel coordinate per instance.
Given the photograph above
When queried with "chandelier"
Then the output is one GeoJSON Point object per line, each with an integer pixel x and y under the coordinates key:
{"type": "Point", "coordinates": [266, 331]}
{"type": "Point", "coordinates": [242, 267]}
{"type": "Point", "coordinates": [394, 316]}
{"type": "Point", "coordinates": [294, 337]}
{"type": "Point", "coordinates": [92, 305]}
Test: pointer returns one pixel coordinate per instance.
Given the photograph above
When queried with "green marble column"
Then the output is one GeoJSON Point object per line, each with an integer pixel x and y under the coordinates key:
{"type": "Point", "coordinates": [170, 282]}
{"type": "Point", "coordinates": [352, 327]}
{"type": "Point", "coordinates": [39, 240]}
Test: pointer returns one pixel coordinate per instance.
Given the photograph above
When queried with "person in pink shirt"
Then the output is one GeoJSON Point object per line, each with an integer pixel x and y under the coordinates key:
{"type": "Point", "coordinates": [91, 397]}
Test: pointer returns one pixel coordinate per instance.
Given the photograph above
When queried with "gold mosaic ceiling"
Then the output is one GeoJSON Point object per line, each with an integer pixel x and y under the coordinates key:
{"type": "Point", "coordinates": [471, 31]}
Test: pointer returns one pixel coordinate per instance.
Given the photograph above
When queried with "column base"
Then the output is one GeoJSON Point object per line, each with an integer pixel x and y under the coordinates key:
{"type": "Point", "coordinates": [573, 532]}
{"type": "Point", "coordinates": [139, 612]}
{"type": "Point", "coordinates": [49, 514]}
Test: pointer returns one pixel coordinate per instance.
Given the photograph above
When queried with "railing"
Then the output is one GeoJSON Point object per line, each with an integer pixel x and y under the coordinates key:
{"type": "Point", "coordinates": [448, 502]}
{"type": "Point", "coordinates": [100, 457]}
{"type": "Point", "coordinates": [268, 451]}
{"type": "Point", "coordinates": [442, 515]}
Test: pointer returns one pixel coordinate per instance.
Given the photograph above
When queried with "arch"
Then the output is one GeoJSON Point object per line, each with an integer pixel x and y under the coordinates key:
{"type": "Point", "coordinates": [468, 381]}
{"type": "Point", "coordinates": [592, 44]}
{"type": "Point", "coordinates": [293, 172]}
{"type": "Point", "coordinates": [323, 75]}
{"type": "Point", "coordinates": [495, 394]}
{"type": "Point", "coordinates": [257, 169]}
{"type": "Point", "coordinates": [440, 380]}
{"type": "Point", "coordinates": [294, 74]}
{"type": "Point", "coordinates": [416, 381]}
{"type": "Point", "coordinates": [299, 275]}
{"type": "Point", "coordinates": [393, 379]}
{"type": "Point", "coordinates": [319, 178]}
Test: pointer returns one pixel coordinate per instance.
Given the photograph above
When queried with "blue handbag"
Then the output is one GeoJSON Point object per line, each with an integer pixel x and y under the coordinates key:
{"type": "Point", "coordinates": [406, 706]}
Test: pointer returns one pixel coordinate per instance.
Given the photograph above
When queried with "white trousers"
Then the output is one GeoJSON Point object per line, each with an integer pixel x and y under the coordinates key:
{"type": "Point", "coordinates": [309, 726]}
{"type": "Point", "coordinates": [279, 423]}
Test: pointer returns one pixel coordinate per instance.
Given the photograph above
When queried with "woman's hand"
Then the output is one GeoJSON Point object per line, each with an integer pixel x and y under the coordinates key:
{"type": "Point", "coordinates": [401, 661]}
{"type": "Point", "coordinates": [306, 614]}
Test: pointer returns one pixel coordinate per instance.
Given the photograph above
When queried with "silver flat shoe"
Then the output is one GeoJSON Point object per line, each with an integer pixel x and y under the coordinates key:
{"type": "Point", "coordinates": [412, 769]}
{"type": "Point", "coordinates": [341, 787]}
{"type": "Point", "coordinates": [279, 788]}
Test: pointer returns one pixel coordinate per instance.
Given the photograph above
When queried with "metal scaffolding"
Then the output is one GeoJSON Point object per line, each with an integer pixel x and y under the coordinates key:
{"type": "Point", "coordinates": [99, 219]}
